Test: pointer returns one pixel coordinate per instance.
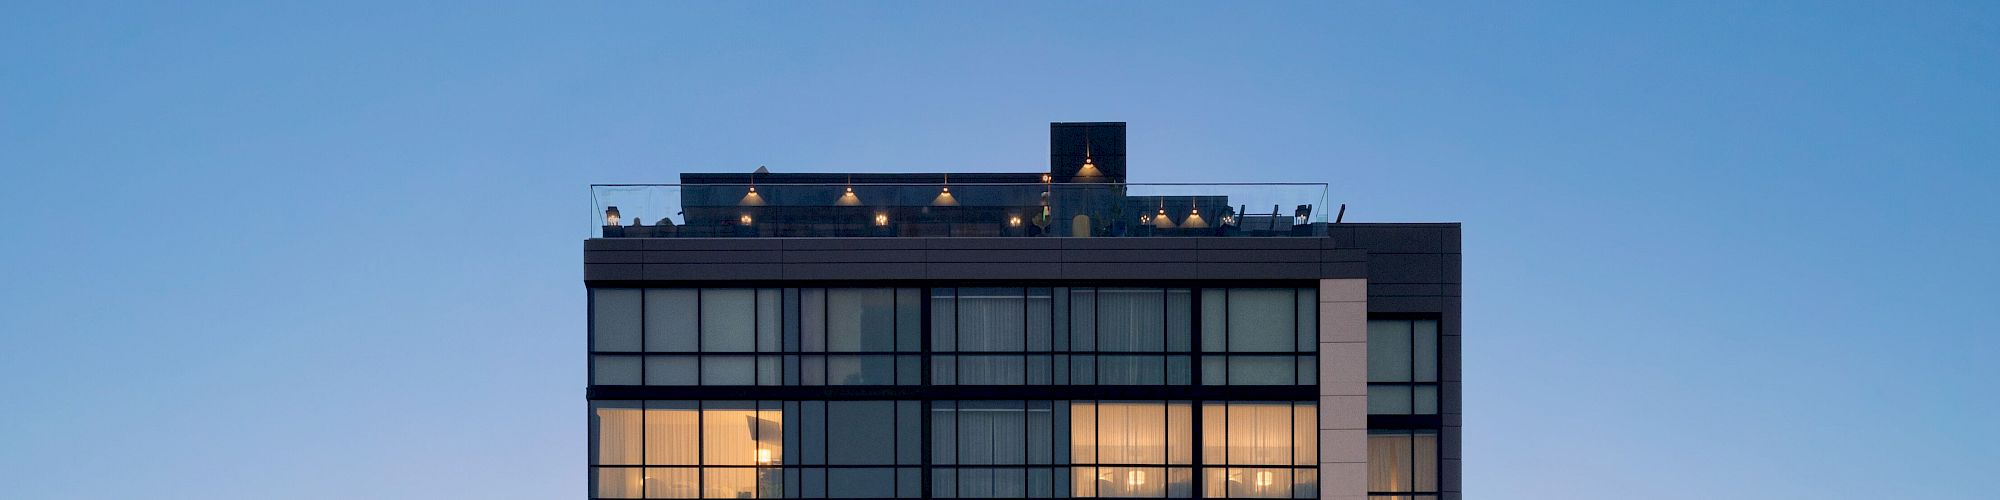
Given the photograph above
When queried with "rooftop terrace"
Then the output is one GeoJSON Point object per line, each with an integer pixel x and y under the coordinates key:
{"type": "Point", "coordinates": [956, 208]}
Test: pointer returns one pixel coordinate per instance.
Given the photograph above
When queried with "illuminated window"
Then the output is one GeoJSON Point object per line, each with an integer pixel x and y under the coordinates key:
{"type": "Point", "coordinates": [1123, 449]}
{"type": "Point", "coordinates": [1259, 450]}
{"type": "Point", "coordinates": [1402, 462]}
{"type": "Point", "coordinates": [712, 449]}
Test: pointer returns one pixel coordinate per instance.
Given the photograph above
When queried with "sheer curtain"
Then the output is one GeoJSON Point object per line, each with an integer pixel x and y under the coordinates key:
{"type": "Point", "coordinates": [1131, 433]}
{"type": "Point", "coordinates": [728, 319]}
{"type": "Point", "coordinates": [1131, 319]}
{"type": "Point", "coordinates": [1389, 460]}
{"type": "Point", "coordinates": [992, 432]}
{"type": "Point", "coordinates": [616, 432]}
{"type": "Point", "coordinates": [1262, 320]}
{"type": "Point", "coordinates": [1260, 433]}
{"type": "Point", "coordinates": [727, 433]}
{"type": "Point", "coordinates": [670, 432]}
{"type": "Point", "coordinates": [992, 319]}
{"type": "Point", "coordinates": [991, 370]}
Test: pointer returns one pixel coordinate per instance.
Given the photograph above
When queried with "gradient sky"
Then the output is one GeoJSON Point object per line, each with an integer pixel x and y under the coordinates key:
{"type": "Point", "coordinates": [1712, 249]}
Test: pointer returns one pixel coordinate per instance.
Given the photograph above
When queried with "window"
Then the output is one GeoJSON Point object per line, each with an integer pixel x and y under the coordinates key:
{"type": "Point", "coordinates": [614, 319]}
{"type": "Point", "coordinates": [1402, 367]}
{"type": "Point", "coordinates": [1130, 448]}
{"type": "Point", "coordinates": [1402, 388]}
{"type": "Point", "coordinates": [1402, 462]}
{"type": "Point", "coordinates": [746, 449]}
{"type": "Point", "coordinates": [686, 449]}
{"type": "Point", "coordinates": [1259, 336]}
{"type": "Point", "coordinates": [728, 320]}
{"type": "Point", "coordinates": [859, 319]}
{"type": "Point", "coordinates": [1260, 450]}
{"type": "Point", "coordinates": [994, 446]}
{"type": "Point", "coordinates": [669, 320]}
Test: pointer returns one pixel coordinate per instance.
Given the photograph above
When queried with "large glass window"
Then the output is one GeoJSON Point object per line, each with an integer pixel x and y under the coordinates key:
{"type": "Point", "coordinates": [744, 336]}
{"type": "Point", "coordinates": [1402, 367]}
{"type": "Point", "coordinates": [995, 449]}
{"type": "Point", "coordinates": [614, 319]}
{"type": "Point", "coordinates": [1124, 449]}
{"type": "Point", "coordinates": [979, 336]}
{"type": "Point", "coordinates": [1402, 462]}
{"type": "Point", "coordinates": [1259, 336]}
{"type": "Point", "coordinates": [686, 449]}
{"type": "Point", "coordinates": [1259, 450]}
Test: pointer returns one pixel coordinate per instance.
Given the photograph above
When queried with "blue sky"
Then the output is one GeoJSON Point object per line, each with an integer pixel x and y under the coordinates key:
{"type": "Point", "coordinates": [1712, 249]}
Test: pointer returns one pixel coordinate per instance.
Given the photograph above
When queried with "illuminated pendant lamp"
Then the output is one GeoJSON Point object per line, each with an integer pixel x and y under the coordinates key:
{"type": "Point", "coordinates": [944, 198]}
{"type": "Point", "coordinates": [848, 199]}
{"type": "Point", "coordinates": [1194, 217]}
{"type": "Point", "coordinates": [1089, 169]}
{"type": "Point", "coordinates": [1161, 220]}
{"type": "Point", "coordinates": [752, 199]}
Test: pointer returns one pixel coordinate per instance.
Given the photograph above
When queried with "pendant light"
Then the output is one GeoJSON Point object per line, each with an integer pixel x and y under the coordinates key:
{"type": "Point", "coordinates": [944, 198]}
{"type": "Point", "coordinates": [848, 199]}
{"type": "Point", "coordinates": [752, 199]}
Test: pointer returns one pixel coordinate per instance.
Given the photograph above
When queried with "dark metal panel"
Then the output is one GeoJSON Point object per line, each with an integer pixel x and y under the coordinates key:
{"type": "Point", "coordinates": [1289, 243]}
{"type": "Point", "coordinates": [1452, 310]}
{"type": "Point", "coordinates": [1400, 239]}
{"type": "Point", "coordinates": [1404, 289]}
{"type": "Point", "coordinates": [992, 256]}
{"type": "Point", "coordinates": [991, 243]}
{"type": "Point", "coordinates": [673, 272]}
{"type": "Point", "coordinates": [1450, 354]}
{"type": "Point", "coordinates": [884, 255]}
{"type": "Point", "coordinates": [1449, 447]}
{"type": "Point", "coordinates": [1405, 268]}
{"type": "Point", "coordinates": [1343, 255]}
{"type": "Point", "coordinates": [1405, 304]}
{"type": "Point", "coordinates": [1258, 255]}
{"type": "Point", "coordinates": [594, 244]}
{"type": "Point", "coordinates": [1127, 243]}
{"type": "Point", "coordinates": [1258, 270]}
{"type": "Point", "coordinates": [726, 244]}
{"type": "Point", "coordinates": [1451, 240]}
{"type": "Point", "coordinates": [852, 243]}
{"type": "Point", "coordinates": [990, 271]}
{"type": "Point", "coordinates": [854, 271]}
{"type": "Point", "coordinates": [611, 272]}
{"type": "Point", "coordinates": [1452, 268]}
{"type": "Point", "coordinates": [715, 257]}
{"type": "Point", "coordinates": [613, 257]}
{"type": "Point", "coordinates": [1342, 235]}
{"type": "Point", "coordinates": [1343, 270]}
{"type": "Point", "coordinates": [1128, 270]}
{"type": "Point", "coordinates": [1449, 397]}
{"type": "Point", "coordinates": [1449, 475]}
{"type": "Point", "coordinates": [1122, 255]}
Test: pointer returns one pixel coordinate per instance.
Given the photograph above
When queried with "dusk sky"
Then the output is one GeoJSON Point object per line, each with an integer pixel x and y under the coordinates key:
{"type": "Point", "coordinates": [1711, 249]}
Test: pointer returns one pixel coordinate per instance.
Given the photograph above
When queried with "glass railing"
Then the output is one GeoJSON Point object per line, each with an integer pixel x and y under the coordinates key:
{"type": "Point", "coordinates": [1080, 210]}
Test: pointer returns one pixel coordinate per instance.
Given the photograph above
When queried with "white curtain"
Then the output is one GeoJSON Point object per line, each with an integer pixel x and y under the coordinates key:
{"type": "Point", "coordinates": [991, 370]}
{"type": "Point", "coordinates": [1131, 433]}
{"type": "Point", "coordinates": [1260, 433]}
{"type": "Point", "coordinates": [1131, 319]}
{"type": "Point", "coordinates": [992, 319]}
{"type": "Point", "coordinates": [728, 436]}
{"type": "Point", "coordinates": [670, 432]}
{"type": "Point", "coordinates": [617, 433]}
{"type": "Point", "coordinates": [673, 482]}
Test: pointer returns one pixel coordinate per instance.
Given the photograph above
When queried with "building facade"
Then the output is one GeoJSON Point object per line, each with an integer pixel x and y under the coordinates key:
{"type": "Point", "coordinates": [1060, 334]}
